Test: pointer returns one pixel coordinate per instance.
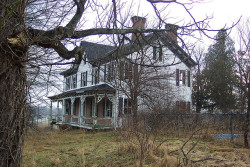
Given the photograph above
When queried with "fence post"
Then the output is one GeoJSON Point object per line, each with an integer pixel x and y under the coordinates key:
{"type": "Point", "coordinates": [232, 128]}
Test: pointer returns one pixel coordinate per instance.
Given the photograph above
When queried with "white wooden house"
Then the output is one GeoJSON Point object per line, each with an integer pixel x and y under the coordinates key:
{"type": "Point", "coordinates": [91, 97]}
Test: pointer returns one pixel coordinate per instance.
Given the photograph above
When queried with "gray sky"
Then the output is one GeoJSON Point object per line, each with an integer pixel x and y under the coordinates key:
{"type": "Point", "coordinates": [224, 12]}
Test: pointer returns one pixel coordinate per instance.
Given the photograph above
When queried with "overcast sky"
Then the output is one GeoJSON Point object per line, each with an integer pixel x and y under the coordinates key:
{"type": "Point", "coordinates": [224, 12]}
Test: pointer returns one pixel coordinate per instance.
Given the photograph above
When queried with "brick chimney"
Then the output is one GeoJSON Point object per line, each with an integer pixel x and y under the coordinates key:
{"type": "Point", "coordinates": [172, 31]}
{"type": "Point", "coordinates": [138, 23]}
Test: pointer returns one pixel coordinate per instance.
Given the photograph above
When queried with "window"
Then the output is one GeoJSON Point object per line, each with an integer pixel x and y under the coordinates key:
{"type": "Point", "coordinates": [109, 71]}
{"type": "Point", "coordinates": [128, 70]}
{"type": "Point", "coordinates": [183, 77]}
{"type": "Point", "coordinates": [92, 107]}
{"type": "Point", "coordinates": [157, 53]}
{"type": "Point", "coordinates": [74, 81]}
{"type": "Point", "coordinates": [107, 108]}
{"type": "Point", "coordinates": [67, 107]}
{"type": "Point", "coordinates": [84, 79]}
{"type": "Point", "coordinates": [127, 106]}
{"type": "Point", "coordinates": [95, 75]}
{"type": "Point", "coordinates": [74, 107]}
{"type": "Point", "coordinates": [67, 86]}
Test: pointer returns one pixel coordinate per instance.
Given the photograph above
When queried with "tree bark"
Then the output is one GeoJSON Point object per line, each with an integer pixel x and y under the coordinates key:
{"type": "Point", "coordinates": [13, 53]}
{"type": "Point", "coordinates": [12, 105]}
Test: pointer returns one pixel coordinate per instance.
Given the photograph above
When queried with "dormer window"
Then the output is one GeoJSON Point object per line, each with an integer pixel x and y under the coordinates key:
{"type": "Point", "coordinates": [74, 81]}
{"type": "Point", "coordinates": [84, 79]}
{"type": "Point", "coordinates": [110, 67]}
{"type": "Point", "coordinates": [71, 82]}
{"type": "Point", "coordinates": [95, 75]}
{"type": "Point", "coordinates": [157, 53]}
{"type": "Point", "coordinates": [67, 87]}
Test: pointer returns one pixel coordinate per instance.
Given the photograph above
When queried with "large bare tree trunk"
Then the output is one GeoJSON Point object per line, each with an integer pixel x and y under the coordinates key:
{"type": "Point", "coordinates": [12, 105]}
{"type": "Point", "coordinates": [12, 82]}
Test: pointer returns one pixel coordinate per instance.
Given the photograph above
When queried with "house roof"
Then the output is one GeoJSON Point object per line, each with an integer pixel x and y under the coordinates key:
{"type": "Point", "coordinates": [72, 70]}
{"type": "Point", "coordinates": [99, 53]}
{"type": "Point", "coordinates": [147, 40]}
{"type": "Point", "coordinates": [81, 91]}
{"type": "Point", "coordinates": [93, 51]}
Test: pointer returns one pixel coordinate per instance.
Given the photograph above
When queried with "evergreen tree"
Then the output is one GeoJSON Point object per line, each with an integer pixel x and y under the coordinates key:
{"type": "Point", "coordinates": [219, 73]}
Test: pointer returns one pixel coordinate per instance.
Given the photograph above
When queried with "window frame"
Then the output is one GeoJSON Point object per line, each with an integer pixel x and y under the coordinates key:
{"type": "Point", "coordinates": [84, 78]}
{"type": "Point", "coordinates": [68, 83]}
{"type": "Point", "coordinates": [157, 53]}
{"type": "Point", "coordinates": [74, 81]}
{"type": "Point", "coordinates": [107, 108]}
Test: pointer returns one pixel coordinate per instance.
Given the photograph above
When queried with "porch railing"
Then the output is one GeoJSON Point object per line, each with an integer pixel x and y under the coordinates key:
{"type": "Point", "coordinates": [84, 121]}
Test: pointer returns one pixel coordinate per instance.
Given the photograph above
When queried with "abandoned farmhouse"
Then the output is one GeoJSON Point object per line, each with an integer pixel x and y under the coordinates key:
{"type": "Point", "coordinates": [97, 91]}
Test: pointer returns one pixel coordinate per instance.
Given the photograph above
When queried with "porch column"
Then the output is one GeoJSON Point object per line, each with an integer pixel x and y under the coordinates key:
{"type": "Point", "coordinates": [63, 110]}
{"type": "Point", "coordinates": [95, 111]}
{"type": "Point", "coordinates": [81, 109]}
{"type": "Point", "coordinates": [72, 107]}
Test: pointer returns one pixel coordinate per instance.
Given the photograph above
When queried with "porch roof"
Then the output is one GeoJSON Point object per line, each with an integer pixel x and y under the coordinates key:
{"type": "Point", "coordinates": [83, 91]}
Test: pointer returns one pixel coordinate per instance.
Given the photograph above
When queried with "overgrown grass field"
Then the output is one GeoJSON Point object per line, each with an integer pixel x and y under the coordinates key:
{"type": "Point", "coordinates": [103, 149]}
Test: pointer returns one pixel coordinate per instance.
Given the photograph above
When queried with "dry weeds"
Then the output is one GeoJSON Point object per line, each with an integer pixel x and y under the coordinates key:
{"type": "Point", "coordinates": [103, 149]}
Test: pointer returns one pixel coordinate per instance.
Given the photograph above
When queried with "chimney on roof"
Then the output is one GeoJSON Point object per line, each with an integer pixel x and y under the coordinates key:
{"type": "Point", "coordinates": [172, 31]}
{"type": "Point", "coordinates": [138, 23]}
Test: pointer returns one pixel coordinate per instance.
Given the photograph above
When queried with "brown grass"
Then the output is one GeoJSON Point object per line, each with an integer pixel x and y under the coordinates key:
{"type": "Point", "coordinates": [104, 149]}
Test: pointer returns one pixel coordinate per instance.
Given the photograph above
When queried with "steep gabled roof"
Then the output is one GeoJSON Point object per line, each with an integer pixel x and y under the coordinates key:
{"type": "Point", "coordinates": [72, 70]}
{"type": "Point", "coordinates": [93, 51]}
{"type": "Point", "coordinates": [99, 53]}
{"type": "Point", "coordinates": [148, 40]}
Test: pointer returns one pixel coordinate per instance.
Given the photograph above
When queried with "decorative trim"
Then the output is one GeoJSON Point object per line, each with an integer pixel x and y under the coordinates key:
{"type": "Point", "coordinates": [99, 98]}
{"type": "Point", "coordinates": [72, 100]}
{"type": "Point", "coordinates": [83, 98]}
{"type": "Point", "coordinates": [110, 98]}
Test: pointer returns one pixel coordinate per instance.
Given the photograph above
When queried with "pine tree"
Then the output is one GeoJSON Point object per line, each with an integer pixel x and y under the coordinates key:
{"type": "Point", "coordinates": [219, 73]}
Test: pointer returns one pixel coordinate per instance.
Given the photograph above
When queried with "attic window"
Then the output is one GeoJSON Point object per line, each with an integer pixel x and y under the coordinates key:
{"type": "Point", "coordinates": [128, 70]}
{"type": "Point", "coordinates": [157, 53]}
{"type": "Point", "coordinates": [84, 79]}
{"type": "Point", "coordinates": [74, 81]}
{"type": "Point", "coordinates": [95, 75]}
{"type": "Point", "coordinates": [110, 67]}
{"type": "Point", "coordinates": [67, 86]}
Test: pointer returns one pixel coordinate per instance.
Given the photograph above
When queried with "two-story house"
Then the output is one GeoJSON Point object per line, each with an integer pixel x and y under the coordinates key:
{"type": "Point", "coordinates": [96, 92]}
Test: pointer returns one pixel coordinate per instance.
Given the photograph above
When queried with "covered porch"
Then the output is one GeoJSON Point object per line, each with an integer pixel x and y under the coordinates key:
{"type": "Point", "coordinates": [86, 108]}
